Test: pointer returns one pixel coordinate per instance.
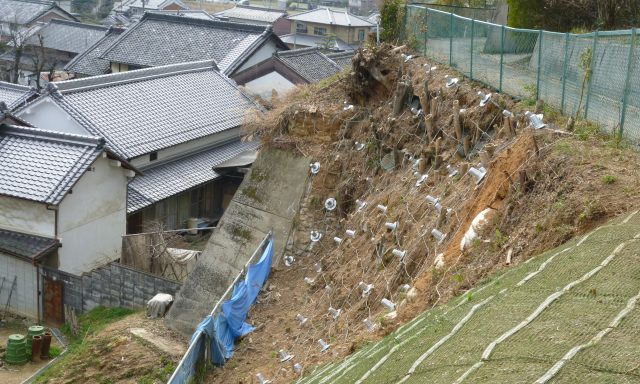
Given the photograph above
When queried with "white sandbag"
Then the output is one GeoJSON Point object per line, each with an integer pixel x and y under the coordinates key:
{"type": "Point", "coordinates": [476, 227]}
{"type": "Point", "coordinates": [158, 305]}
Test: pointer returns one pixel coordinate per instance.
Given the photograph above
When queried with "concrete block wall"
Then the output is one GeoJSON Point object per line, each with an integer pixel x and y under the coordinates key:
{"type": "Point", "coordinates": [112, 285]}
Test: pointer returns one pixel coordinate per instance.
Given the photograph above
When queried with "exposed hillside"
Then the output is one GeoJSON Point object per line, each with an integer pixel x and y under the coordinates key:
{"type": "Point", "coordinates": [543, 188]}
{"type": "Point", "coordinates": [567, 316]}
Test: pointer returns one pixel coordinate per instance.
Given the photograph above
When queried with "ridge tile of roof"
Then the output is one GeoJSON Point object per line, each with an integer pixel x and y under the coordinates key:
{"type": "Point", "coordinates": [25, 11]}
{"type": "Point", "coordinates": [42, 165]}
{"type": "Point", "coordinates": [251, 13]}
{"type": "Point", "coordinates": [68, 36]}
{"type": "Point", "coordinates": [330, 16]}
{"type": "Point", "coordinates": [143, 111]}
{"type": "Point", "coordinates": [13, 94]}
{"type": "Point", "coordinates": [309, 63]}
{"type": "Point", "coordinates": [89, 62]}
{"type": "Point", "coordinates": [159, 39]}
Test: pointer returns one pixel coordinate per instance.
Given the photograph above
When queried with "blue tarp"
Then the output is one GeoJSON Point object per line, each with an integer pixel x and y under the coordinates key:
{"type": "Point", "coordinates": [222, 331]}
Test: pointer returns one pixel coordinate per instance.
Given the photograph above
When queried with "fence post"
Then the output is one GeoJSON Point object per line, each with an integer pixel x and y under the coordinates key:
{"type": "Point", "coordinates": [564, 69]}
{"type": "Point", "coordinates": [471, 59]}
{"type": "Point", "coordinates": [625, 98]}
{"type": "Point", "coordinates": [426, 30]}
{"type": "Point", "coordinates": [451, 40]}
{"type": "Point", "coordinates": [539, 64]}
{"type": "Point", "coordinates": [501, 55]}
{"type": "Point", "coordinates": [591, 73]}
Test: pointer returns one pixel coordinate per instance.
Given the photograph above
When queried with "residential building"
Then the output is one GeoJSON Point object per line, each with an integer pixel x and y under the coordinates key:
{"type": "Point", "coordinates": [62, 205]}
{"type": "Point", "coordinates": [260, 16]}
{"type": "Point", "coordinates": [362, 7]}
{"type": "Point", "coordinates": [175, 123]}
{"type": "Point", "coordinates": [327, 29]}
{"type": "Point", "coordinates": [168, 39]}
{"type": "Point", "coordinates": [285, 70]}
{"type": "Point", "coordinates": [14, 95]}
{"type": "Point", "coordinates": [89, 63]}
{"type": "Point", "coordinates": [49, 47]}
{"type": "Point", "coordinates": [343, 59]}
{"type": "Point", "coordinates": [139, 7]}
{"type": "Point", "coordinates": [22, 14]}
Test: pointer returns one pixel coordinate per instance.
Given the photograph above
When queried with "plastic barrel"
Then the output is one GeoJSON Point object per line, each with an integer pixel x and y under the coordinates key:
{"type": "Point", "coordinates": [16, 350]}
{"type": "Point", "coordinates": [34, 330]}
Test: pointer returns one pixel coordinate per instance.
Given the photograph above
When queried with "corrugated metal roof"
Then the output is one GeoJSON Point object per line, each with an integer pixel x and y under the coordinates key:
{"type": "Point", "coordinates": [13, 94]}
{"type": "Point", "coordinates": [143, 111]}
{"type": "Point", "coordinates": [26, 246]}
{"type": "Point", "coordinates": [41, 165]}
{"type": "Point", "coordinates": [249, 13]}
{"type": "Point", "coordinates": [309, 63]}
{"type": "Point", "coordinates": [68, 36]}
{"type": "Point", "coordinates": [168, 179]}
{"type": "Point", "coordinates": [168, 39]}
{"type": "Point", "coordinates": [89, 62]}
{"type": "Point", "coordinates": [331, 17]}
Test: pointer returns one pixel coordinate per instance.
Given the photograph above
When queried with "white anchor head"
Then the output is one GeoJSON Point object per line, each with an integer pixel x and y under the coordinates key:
{"type": "Point", "coordinates": [297, 368]}
{"type": "Point", "coordinates": [382, 208]}
{"type": "Point", "coordinates": [478, 174]}
{"type": "Point", "coordinates": [288, 260]}
{"type": "Point", "coordinates": [535, 120]}
{"type": "Point", "coordinates": [301, 319]}
{"type": "Point", "coordinates": [284, 355]}
{"type": "Point", "coordinates": [337, 240]}
{"type": "Point", "coordinates": [371, 326]}
{"type": "Point", "coordinates": [421, 180]}
{"type": "Point", "coordinates": [439, 236]}
{"type": "Point", "coordinates": [404, 287]}
{"type": "Point", "coordinates": [361, 205]}
{"type": "Point", "coordinates": [435, 202]}
{"type": "Point", "coordinates": [484, 98]}
{"type": "Point", "coordinates": [323, 345]}
{"type": "Point", "coordinates": [392, 226]}
{"type": "Point", "coordinates": [309, 280]}
{"type": "Point", "coordinates": [315, 167]}
{"type": "Point", "coordinates": [335, 313]}
{"type": "Point", "coordinates": [261, 379]}
{"type": "Point", "coordinates": [399, 253]}
{"type": "Point", "coordinates": [330, 204]}
{"type": "Point", "coordinates": [388, 304]}
{"type": "Point", "coordinates": [359, 146]}
{"type": "Point", "coordinates": [507, 113]}
{"type": "Point", "coordinates": [452, 82]}
{"type": "Point", "coordinates": [452, 170]}
{"type": "Point", "coordinates": [366, 288]}
{"type": "Point", "coordinates": [318, 267]}
{"type": "Point", "coordinates": [350, 232]}
{"type": "Point", "coordinates": [315, 236]}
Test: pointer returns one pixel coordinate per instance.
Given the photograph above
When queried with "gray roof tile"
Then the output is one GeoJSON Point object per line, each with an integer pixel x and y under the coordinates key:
{"type": "Point", "coordinates": [156, 4]}
{"type": "Point", "coordinates": [26, 11]}
{"type": "Point", "coordinates": [41, 165]}
{"type": "Point", "coordinates": [143, 111]}
{"type": "Point", "coordinates": [300, 39]}
{"type": "Point", "coordinates": [252, 14]}
{"type": "Point", "coordinates": [168, 179]}
{"type": "Point", "coordinates": [68, 36]}
{"type": "Point", "coordinates": [330, 16]}
{"type": "Point", "coordinates": [13, 94]}
{"type": "Point", "coordinates": [24, 245]}
{"type": "Point", "coordinates": [168, 39]}
{"type": "Point", "coordinates": [89, 62]}
{"type": "Point", "coordinates": [343, 59]}
{"type": "Point", "coordinates": [309, 63]}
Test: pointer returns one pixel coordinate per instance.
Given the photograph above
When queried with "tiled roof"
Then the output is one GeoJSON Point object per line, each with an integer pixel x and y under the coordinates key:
{"type": "Point", "coordinates": [68, 36]}
{"type": "Point", "coordinates": [255, 14]}
{"type": "Point", "coordinates": [89, 62]}
{"type": "Point", "coordinates": [168, 179]}
{"type": "Point", "coordinates": [304, 40]}
{"type": "Point", "coordinates": [343, 59]}
{"type": "Point", "coordinates": [26, 246]}
{"type": "Point", "coordinates": [13, 94]}
{"type": "Point", "coordinates": [329, 16]}
{"type": "Point", "coordinates": [191, 13]}
{"type": "Point", "coordinates": [156, 4]}
{"type": "Point", "coordinates": [41, 165]}
{"type": "Point", "coordinates": [309, 63]}
{"type": "Point", "coordinates": [26, 11]}
{"type": "Point", "coordinates": [146, 110]}
{"type": "Point", "coordinates": [168, 39]}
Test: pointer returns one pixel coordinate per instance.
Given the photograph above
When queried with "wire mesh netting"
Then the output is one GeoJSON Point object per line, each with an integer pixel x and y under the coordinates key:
{"type": "Point", "coordinates": [560, 300]}
{"type": "Point", "coordinates": [592, 75]}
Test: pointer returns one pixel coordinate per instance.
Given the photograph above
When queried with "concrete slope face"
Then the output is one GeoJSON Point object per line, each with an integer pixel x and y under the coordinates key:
{"type": "Point", "coordinates": [570, 315]}
{"type": "Point", "coordinates": [268, 200]}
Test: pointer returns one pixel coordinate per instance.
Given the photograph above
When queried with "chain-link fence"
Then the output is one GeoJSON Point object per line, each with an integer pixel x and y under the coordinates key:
{"type": "Point", "coordinates": [594, 75]}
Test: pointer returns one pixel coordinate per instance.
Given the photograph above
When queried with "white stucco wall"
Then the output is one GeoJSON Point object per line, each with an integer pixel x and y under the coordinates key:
{"type": "Point", "coordinates": [92, 219]}
{"type": "Point", "coordinates": [45, 114]}
{"type": "Point", "coordinates": [262, 86]}
{"type": "Point", "coordinates": [26, 216]}
{"type": "Point", "coordinates": [188, 147]}
{"type": "Point", "coordinates": [262, 54]}
{"type": "Point", "coordinates": [24, 299]}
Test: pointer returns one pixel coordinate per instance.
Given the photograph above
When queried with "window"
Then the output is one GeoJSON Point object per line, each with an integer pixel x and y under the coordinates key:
{"type": "Point", "coordinates": [301, 28]}
{"type": "Point", "coordinates": [153, 156]}
{"type": "Point", "coordinates": [319, 31]}
{"type": "Point", "coordinates": [360, 34]}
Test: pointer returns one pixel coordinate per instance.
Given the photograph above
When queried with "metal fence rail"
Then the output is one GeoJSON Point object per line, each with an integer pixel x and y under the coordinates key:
{"type": "Point", "coordinates": [198, 352]}
{"type": "Point", "coordinates": [594, 75]}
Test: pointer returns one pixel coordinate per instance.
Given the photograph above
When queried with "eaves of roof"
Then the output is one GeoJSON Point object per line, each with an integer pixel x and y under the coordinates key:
{"type": "Point", "coordinates": [256, 45]}
{"type": "Point", "coordinates": [56, 7]}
